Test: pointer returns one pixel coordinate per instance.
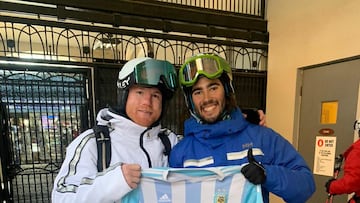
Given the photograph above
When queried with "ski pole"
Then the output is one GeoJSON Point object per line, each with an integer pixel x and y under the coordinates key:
{"type": "Point", "coordinates": [337, 168]}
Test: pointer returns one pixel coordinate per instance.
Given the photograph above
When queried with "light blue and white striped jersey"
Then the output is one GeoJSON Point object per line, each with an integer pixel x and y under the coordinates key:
{"type": "Point", "coordinates": [194, 185]}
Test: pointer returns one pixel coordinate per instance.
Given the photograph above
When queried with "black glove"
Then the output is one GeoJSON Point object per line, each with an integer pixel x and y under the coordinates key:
{"type": "Point", "coordinates": [327, 184]}
{"type": "Point", "coordinates": [252, 116]}
{"type": "Point", "coordinates": [254, 171]}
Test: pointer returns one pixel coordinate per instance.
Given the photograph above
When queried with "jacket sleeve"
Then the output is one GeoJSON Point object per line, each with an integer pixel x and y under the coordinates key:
{"type": "Point", "coordinates": [350, 181]}
{"type": "Point", "coordinates": [79, 181]}
{"type": "Point", "coordinates": [288, 175]}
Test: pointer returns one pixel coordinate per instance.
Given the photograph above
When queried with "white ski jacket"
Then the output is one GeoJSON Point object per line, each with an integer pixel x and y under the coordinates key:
{"type": "Point", "coordinates": [79, 180]}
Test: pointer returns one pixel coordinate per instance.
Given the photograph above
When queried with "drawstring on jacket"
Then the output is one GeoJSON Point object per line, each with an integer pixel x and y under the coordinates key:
{"type": "Point", "coordinates": [142, 146]}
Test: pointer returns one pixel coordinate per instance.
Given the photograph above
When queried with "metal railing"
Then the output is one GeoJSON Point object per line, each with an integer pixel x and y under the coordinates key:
{"type": "Point", "coordinates": [248, 7]}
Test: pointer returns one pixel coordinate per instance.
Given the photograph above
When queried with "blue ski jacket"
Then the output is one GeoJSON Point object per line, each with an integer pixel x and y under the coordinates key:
{"type": "Point", "coordinates": [226, 143]}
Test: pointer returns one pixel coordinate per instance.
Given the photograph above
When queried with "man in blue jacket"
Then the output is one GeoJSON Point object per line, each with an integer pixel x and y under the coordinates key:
{"type": "Point", "coordinates": [217, 134]}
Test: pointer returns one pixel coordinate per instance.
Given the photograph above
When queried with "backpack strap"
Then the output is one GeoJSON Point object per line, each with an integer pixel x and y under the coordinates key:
{"type": "Point", "coordinates": [103, 143]}
{"type": "Point", "coordinates": [164, 137]}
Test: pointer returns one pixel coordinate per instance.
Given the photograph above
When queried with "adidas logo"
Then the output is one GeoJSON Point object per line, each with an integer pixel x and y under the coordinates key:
{"type": "Point", "coordinates": [164, 198]}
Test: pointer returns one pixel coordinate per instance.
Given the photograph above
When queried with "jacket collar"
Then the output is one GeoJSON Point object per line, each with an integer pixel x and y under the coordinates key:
{"type": "Point", "coordinates": [234, 124]}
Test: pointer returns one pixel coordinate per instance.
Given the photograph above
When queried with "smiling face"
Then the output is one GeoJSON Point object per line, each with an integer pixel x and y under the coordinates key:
{"type": "Point", "coordinates": [144, 105]}
{"type": "Point", "coordinates": [208, 97]}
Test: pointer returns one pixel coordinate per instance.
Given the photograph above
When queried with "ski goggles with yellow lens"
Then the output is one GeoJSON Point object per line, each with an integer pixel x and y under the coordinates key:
{"type": "Point", "coordinates": [209, 65]}
{"type": "Point", "coordinates": [152, 72]}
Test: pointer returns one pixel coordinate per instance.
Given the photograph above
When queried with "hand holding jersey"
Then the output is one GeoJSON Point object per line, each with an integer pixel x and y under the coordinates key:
{"type": "Point", "coordinates": [132, 174]}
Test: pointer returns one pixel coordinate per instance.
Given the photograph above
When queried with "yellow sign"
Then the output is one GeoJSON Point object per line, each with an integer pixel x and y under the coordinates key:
{"type": "Point", "coordinates": [329, 112]}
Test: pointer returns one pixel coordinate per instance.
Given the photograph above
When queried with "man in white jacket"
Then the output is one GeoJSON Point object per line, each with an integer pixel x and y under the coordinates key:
{"type": "Point", "coordinates": [144, 87]}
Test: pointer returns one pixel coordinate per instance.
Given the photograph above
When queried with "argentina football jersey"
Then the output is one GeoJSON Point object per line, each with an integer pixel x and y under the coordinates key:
{"type": "Point", "coordinates": [194, 185]}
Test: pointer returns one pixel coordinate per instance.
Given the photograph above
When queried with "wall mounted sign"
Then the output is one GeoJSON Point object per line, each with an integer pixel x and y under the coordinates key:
{"type": "Point", "coordinates": [329, 111]}
{"type": "Point", "coordinates": [324, 156]}
{"type": "Point", "coordinates": [326, 131]}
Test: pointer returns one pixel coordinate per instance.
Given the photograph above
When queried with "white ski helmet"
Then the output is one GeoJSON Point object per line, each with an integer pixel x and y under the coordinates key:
{"type": "Point", "coordinates": [148, 72]}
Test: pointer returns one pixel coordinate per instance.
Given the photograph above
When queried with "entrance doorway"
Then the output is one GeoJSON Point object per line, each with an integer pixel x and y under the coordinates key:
{"type": "Point", "coordinates": [47, 107]}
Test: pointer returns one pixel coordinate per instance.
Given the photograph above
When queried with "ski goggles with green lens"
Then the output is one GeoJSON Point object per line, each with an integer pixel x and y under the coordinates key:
{"type": "Point", "coordinates": [211, 66]}
{"type": "Point", "coordinates": [152, 72]}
